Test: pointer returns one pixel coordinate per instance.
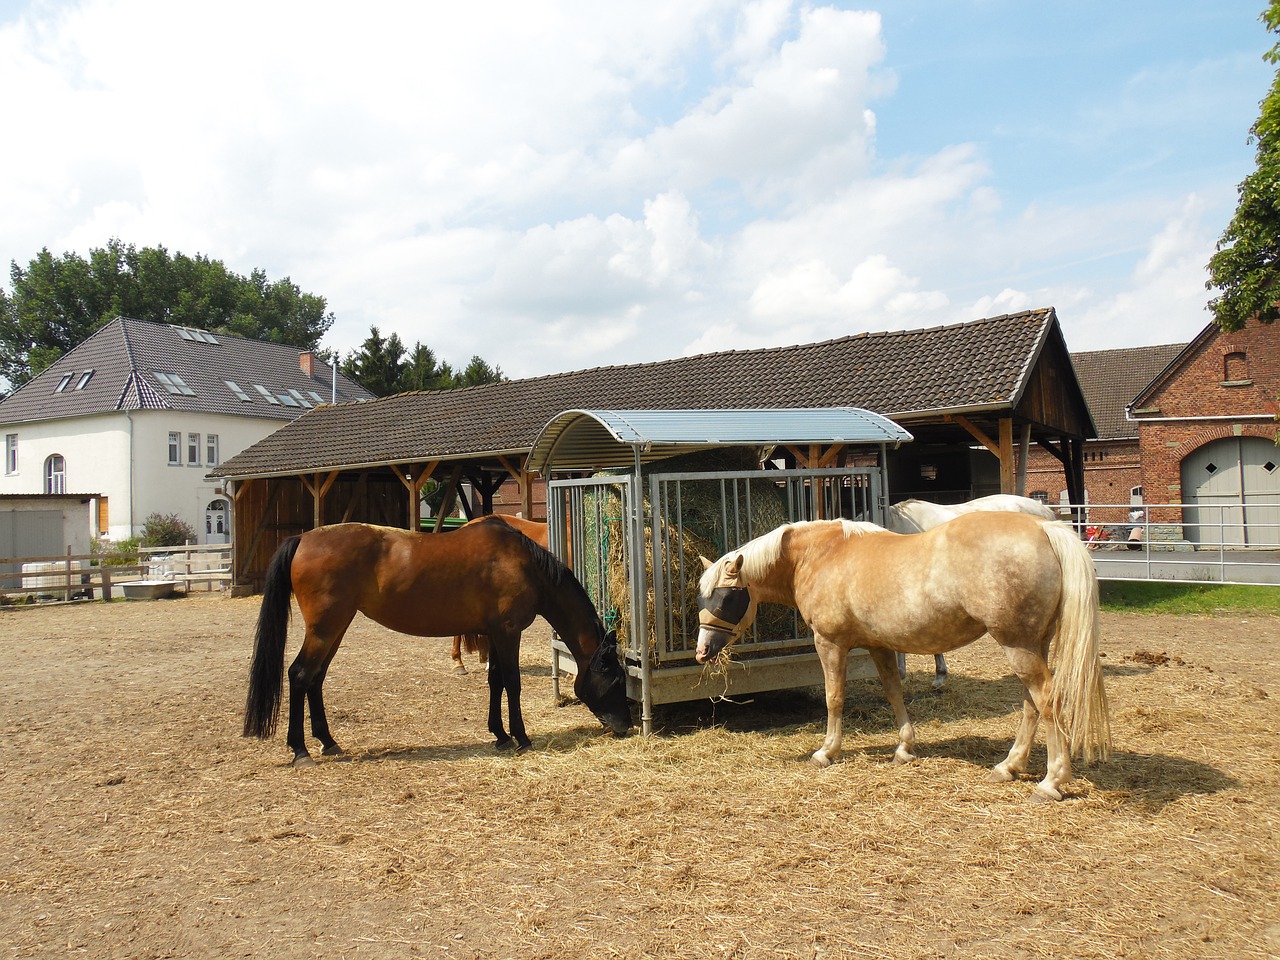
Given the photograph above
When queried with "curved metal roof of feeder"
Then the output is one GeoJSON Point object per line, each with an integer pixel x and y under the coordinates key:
{"type": "Point", "coordinates": [602, 439]}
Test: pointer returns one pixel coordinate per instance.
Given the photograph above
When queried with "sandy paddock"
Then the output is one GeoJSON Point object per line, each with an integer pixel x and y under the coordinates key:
{"type": "Point", "coordinates": [137, 822]}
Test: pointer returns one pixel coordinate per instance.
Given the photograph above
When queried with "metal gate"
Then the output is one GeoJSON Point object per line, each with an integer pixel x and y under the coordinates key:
{"type": "Point", "coordinates": [635, 542]}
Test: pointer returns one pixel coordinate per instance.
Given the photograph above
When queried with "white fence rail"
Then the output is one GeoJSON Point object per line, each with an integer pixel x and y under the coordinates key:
{"type": "Point", "coordinates": [1235, 541]}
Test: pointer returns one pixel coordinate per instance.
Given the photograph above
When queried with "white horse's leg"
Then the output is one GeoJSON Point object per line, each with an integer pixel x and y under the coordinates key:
{"type": "Point", "coordinates": [886, 667]}
{"type": "Point", "coordinates": [834, 659]}
{"type": "Point", "coordinates": [939, 671]}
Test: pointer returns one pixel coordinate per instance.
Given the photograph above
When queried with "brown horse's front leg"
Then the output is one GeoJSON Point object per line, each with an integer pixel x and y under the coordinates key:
{"type": "Point", "coordinates": [504, 676]}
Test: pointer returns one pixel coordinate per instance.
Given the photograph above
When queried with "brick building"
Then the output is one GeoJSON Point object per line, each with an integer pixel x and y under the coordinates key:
{"type": "Point", "coordinates": [1207, 432]}
{"type": "Point", "coordinates": [1191, 424]}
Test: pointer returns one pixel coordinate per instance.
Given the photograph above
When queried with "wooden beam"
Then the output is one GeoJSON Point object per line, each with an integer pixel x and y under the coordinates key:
{"type": "Point", "coordinates": [1008, 465]}
{"type": "Point", "coordinates": [974, 430]}
{"type": "Point", "coordinates": [413, 479]}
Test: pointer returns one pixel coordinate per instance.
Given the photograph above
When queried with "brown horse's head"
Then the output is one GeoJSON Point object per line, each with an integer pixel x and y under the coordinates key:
{"type": "Point", "coordinates": [603, 686]}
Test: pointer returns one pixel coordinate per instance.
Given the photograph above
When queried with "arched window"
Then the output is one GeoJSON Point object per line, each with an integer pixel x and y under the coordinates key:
{"type": "Point", "coordinates": [55, 474]}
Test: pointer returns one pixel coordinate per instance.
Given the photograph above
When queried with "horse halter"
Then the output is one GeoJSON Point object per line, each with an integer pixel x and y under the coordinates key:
{"type": "Point", "coordinates": [723, 609]}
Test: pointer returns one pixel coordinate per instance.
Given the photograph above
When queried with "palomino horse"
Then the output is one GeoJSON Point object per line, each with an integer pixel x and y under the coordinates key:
{"type": "Point", "coordinates": [917, 516]}
{"type": "Point", "coordinates": [478, 643]}
{"type": "Point", "coordinates": [1030, 584]}
{"type": "Point", "coordinates": [486, 579]}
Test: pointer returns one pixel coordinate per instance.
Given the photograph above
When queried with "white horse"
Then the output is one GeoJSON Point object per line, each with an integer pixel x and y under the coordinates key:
{"type": "Point", "coordinates": [917, 516]}
{"type": "Point", "coordinates": [1029, 584]}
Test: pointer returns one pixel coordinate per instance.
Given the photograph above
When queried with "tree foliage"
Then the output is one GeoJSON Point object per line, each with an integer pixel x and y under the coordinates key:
{"type": "Point", "coordinates": [1246, 267]}
{"type": "Point", "coordinates": [57, 302]}
{"type": "Point", "coordinates": [383, 366]}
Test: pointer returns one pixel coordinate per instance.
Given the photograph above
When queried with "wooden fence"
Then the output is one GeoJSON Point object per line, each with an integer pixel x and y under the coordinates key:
{"type": "Point", "coordinates": [72, 576]}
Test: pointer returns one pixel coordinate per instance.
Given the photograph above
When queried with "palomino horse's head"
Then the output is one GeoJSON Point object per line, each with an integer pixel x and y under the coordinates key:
{"type": "Point", "coordinates": [725, 607]}
{"type": "Point", "coordinates": [603, 686]}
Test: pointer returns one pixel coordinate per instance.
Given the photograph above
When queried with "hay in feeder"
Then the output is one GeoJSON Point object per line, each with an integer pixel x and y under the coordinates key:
{"type": "Point", "coordinates": [702, 525]}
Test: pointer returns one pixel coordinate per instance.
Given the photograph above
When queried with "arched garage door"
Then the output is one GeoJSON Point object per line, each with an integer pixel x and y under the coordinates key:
{"type": "Point", "coordinates": [1232, 491]}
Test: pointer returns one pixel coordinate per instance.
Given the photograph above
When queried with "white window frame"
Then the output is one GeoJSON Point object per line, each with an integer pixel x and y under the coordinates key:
{"type": "Point", "coordinates": [193, 449]}
{"type": "Point", "coordinates": [55, 473]}
{"type": "Point", "coordinates": [175, 448]}
{"type": "Point", "coordinates": [10, 454]}
{"type": "Point", "coordinates": [211, 450]}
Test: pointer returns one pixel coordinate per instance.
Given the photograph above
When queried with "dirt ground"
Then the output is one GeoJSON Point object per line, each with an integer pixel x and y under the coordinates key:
{"type": "Point", "coordinates": [136, 822]}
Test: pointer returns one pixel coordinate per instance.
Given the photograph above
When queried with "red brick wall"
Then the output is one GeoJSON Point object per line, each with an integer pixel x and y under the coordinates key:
{"type": "Point", "coordinates": [1210, 405]}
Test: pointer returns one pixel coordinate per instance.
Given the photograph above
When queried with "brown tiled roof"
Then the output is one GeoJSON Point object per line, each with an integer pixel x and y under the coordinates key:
{"type": "Point", "coordinates": [1111, 379]}
{"type": "Point", "coordinates": [125, 354]}
{"type": "Point", "coordinates": [959, 368]}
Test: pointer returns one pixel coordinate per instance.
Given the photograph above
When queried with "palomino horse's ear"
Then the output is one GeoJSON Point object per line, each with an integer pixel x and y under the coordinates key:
{"type": "Point", "coordinates": [706, 564]}
{"type": "Point", "coordinates": [733, 567]}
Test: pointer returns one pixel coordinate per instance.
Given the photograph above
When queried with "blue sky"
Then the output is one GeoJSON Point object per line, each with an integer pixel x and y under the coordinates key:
{"type": "Point", "coordinates": [558, 185]}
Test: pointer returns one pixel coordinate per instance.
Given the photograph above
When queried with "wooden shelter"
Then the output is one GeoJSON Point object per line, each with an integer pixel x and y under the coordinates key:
{"type": "Point", "coordinates": [998, 384]}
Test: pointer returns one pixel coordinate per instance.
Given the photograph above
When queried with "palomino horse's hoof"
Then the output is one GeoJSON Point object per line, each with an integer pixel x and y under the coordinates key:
{"type": "Point", "coordinates": [999, 776]}
{"type": "Point", "coordinates": [1043, 794]}
{"type": "Point", "coordinates": [820, 760]}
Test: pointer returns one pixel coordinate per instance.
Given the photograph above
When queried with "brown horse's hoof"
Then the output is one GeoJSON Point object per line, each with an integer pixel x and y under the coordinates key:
{"type": "Point", "coordinates": [459, 671]}
{"type": "Point", "coordinates": [302, 761]}
{"type": "Point", "coordinates": [504, 744]}
{"type": "Point", "coordinates": [333, 751]}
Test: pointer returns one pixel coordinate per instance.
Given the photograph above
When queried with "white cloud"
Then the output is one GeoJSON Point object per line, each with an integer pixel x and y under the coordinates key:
{"type": "Point", "coordinates": [555, 184]}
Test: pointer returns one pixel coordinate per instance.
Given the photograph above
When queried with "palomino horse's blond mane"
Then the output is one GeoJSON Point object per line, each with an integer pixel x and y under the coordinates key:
{"type": "Point", "coordinates": [760, 554]}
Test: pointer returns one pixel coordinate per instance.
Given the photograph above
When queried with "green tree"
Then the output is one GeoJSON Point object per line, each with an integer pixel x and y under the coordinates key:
{"type": "Point", "coordinates": [1245, 270]}
{"type": "Point", "coordinates": [478, 372]}
{"type": "Point", "coordinates": [378, 364]}
{"type": "Point", "coordinates": [57, 302]}
{"type": "Point", "coordinates": [383, 367]}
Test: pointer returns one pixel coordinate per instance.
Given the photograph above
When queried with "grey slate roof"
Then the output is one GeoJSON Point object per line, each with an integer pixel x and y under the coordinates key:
{"type": "Point", "coordinates": [959, 368]}
{"type": "Point", "coordinates": [1111, 379]}
{"type": "Point", "coordinates": [125, 354]}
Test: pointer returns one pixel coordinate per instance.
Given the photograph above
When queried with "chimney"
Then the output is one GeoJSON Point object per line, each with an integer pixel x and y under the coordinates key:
{"type": "Point", "coordinates": [307, 362]}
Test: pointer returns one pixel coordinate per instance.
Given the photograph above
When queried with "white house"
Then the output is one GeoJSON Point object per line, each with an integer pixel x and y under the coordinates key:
{"type": "Point", "coordinates": [136, 415]}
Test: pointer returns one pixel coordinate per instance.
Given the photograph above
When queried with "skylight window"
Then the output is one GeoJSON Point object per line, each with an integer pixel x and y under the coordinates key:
{"type": "Point", "coordinates": [267, 394]}
{"type": "Point", "coordinates": [173, 383]}
{"type": "Point", "coordinates": [235, 388]}
{"type": "Point", "coordinates": [287, 400]}
{"type": "Point", "coordinates": [84, 379]}
{"type": "Point", "coordinates": [297, 395]}
{"type": "Point", "coordinates": [200, 336]}
{"type": "Point", "coordinates": [63, 383]}
{"type": "Point", "coordinates": [315, 396]}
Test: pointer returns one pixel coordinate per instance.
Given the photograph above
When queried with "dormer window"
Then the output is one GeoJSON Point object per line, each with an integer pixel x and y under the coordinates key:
{"type": "Point", "coordinates": [173, 383]}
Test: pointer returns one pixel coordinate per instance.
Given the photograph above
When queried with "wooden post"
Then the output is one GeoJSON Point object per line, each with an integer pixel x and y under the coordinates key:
{"type": "Point", "coordinates": [1008, 468]}
{"type": "Point", "coordinates": [106, 582]}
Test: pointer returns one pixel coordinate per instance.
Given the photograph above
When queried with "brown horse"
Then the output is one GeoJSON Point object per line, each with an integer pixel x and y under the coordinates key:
{"type": "Point", "coordinates": [1027, 582]}
{"type": "Point", "coordinates": [478, 643]}
{"type": "Point", "coordinates": [486, 578]}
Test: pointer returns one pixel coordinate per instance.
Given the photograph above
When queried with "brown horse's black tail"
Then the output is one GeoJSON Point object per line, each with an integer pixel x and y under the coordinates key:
{"type": "Point", "coordinates": [266, 674]}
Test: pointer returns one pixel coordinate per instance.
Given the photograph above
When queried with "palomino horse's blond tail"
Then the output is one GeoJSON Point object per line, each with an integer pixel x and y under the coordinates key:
{"type": "Point", "coordinates": [1079, 701]}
